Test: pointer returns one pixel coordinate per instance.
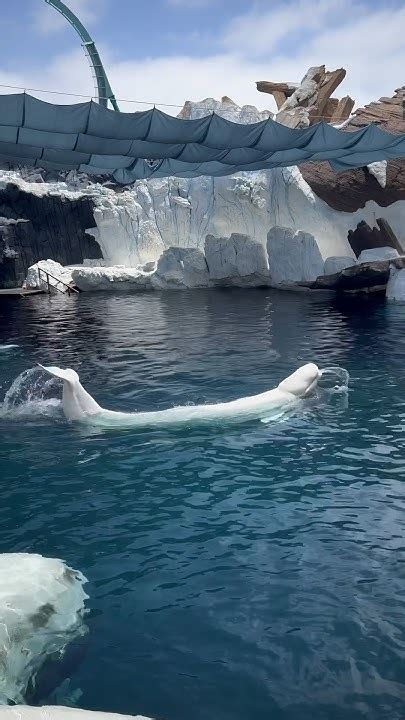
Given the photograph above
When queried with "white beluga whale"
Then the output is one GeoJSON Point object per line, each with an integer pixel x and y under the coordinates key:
{"type": "Point", "coordinates": [78, 405]}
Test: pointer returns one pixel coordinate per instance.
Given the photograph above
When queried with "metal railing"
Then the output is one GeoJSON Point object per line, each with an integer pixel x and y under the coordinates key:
{"type": "Point", "coordinates": [68, 288]}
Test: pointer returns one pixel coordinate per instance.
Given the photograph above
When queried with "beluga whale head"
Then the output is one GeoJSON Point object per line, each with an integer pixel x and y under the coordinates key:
{"type": "Point", "coordinates": [302, 382]}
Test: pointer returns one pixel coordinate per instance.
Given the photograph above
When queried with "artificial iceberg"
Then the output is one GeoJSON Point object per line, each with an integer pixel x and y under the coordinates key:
{"type": "Point", "coordinates": [41, 611]}
{"type": "Point", "coordinates": [138, 225]}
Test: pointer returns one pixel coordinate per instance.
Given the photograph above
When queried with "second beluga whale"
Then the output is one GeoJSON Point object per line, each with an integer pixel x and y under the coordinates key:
{"type": "Point", "coordinates": [79, 405]}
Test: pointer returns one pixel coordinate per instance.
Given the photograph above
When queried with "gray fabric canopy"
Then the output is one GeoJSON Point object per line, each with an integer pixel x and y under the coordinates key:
{"type": "Point", "coordinates": [131, 146]}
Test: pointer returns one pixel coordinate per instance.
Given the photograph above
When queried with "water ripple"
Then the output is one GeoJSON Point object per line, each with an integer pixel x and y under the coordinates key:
{"type": "Point", "coordinates": [253, 571]}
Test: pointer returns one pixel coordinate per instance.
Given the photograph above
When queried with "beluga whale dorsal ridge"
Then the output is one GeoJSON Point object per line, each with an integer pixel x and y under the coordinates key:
{"type": "Point", "coordinates": [79, 405]}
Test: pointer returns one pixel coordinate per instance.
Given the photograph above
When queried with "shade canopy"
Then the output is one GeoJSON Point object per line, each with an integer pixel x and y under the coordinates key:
{"type": "Point", "coordinates": [151, 144]}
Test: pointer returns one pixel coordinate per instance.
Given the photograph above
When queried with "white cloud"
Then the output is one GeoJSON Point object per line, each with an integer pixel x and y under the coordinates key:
{"type": "Point", "coordinates": [288, 26]}
{"type": "Point", "coordinates": [370, 45]}
{"type": "Point", "coordinates": [48, 20]}
{"type": "Point", "coordinates": [190, 4]}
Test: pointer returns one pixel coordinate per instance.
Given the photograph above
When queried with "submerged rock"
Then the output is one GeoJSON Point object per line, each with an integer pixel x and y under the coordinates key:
{"type": "Point", "coordinates": [293, 256]}
{"type": "Point", "coordinates": [41, 608]}
{"type": "Point", "coordinates": [236, 260]}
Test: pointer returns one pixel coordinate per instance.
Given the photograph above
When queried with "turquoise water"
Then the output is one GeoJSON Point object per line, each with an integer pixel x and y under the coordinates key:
{"type": "Point", "coordinates": [235, 573]}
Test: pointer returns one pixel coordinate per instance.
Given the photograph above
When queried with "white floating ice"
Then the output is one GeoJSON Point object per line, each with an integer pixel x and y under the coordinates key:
{"type": "Point", "coordinates": [50, 712]}
{"type": "Point", "coordinates": [41, 608]}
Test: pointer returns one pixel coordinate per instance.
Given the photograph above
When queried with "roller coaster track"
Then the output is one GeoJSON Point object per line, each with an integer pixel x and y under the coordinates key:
{"type": "Point", "coordinates": [103, 89]}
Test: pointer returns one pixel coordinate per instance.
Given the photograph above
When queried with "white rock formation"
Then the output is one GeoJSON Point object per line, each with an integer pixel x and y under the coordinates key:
{"type": "Point", "coordinates": [293, 256]}
{"type": "Point", "coordinates": [181, 268]}
{"type": "Point", "coordinates": [236, 260]}
{"type": "Point", "coordinates": [94, 262]}
{"type": "Point", "coordinates": [51, 712]}
{"type": "Point", "coordinates": [375, 254]}
{"type": "Point", "coordinates": [226, 108]}
{"type": "Point", "coordinates": [337, 264]}
{"type": "Point", "coordinates": [396, 286]}
{"type": "Point", "coordinates": [36, 275]}
{"type": "Point", "coordinates": [137, 224]}
{"type": "Point", "coordinates": [114, 278]}
{"type": "Point", "coordinates": [379, 170]}
{"type": "Point", "coordinates": [305, 94]}
{"type": "Point", "coordinates": [41, 607]}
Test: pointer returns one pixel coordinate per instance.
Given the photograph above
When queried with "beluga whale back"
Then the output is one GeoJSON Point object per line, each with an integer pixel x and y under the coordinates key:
{"type": "Point", "coordinates": [80, 406]}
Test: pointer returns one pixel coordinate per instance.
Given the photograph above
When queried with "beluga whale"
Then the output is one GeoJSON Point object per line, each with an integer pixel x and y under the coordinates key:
{"type": "Point", "coordinates": [79, 405]}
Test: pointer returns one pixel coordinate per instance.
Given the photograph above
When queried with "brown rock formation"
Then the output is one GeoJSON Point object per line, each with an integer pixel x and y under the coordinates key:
{"type": "Point", "coordinates": [350, 190]}
{"type": "Point", "coordinates": [364, 237]}
{"type": "Point", "coordinates": [310, 101]}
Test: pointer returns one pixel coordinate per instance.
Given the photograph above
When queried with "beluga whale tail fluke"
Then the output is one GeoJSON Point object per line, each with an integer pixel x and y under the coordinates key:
{"type": "Point", "coordinates": [79, 405]}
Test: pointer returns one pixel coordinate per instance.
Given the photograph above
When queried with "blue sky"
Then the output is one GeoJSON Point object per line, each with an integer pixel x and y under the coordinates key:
{"type": "Point", "coordinates": [172, 50]}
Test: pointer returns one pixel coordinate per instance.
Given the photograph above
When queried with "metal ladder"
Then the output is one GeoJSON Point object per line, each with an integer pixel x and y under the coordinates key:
{"type": "Point", "coordinates": [70, 289]}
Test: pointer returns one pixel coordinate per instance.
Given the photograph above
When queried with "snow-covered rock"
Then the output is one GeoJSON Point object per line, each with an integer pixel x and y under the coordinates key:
{"type": "Point", "coordinates": [336, 264]}
{"type": "Point", "coordinates": [94, 262]}
{"type": "Point", "coordinates": [41, 608]}
{"type": "Point", "coordinates": [114, 278]}
{"type": "Point", "coordinates": [293, 256]}
{"type": "Point", "coordinates": [236, 260]}
{"type": "Point", "coordinates": [379, 170]}
{"type": "Point", "coordinates": [135, 225]}
{"type": "Point", "coordinates": [226, 108]}
{"type": "Point", "coordinates": [304, 94]}
{"type": "Point", "coordinates": [36, 275]}
{"type": "Point", "coordinates": [396, 286]}
{"type": "Point", "coordinates": [376, 254]}
{"type": "Point", "coordinates": [181, 268]}
{"type": "Point", "coordinates": [138, 224]}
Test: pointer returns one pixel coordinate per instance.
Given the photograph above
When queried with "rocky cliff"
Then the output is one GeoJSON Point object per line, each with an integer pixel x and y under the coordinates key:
{"type": "Point", "coordinates": [36, 225]}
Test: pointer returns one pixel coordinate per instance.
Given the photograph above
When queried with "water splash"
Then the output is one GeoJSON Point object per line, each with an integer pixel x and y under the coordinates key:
{"type": "Point", "coordinates": [334, 379]}
{"type": "Point", "coordinates": [33, 392]}
{"type": "Point", "coordinates": [6, 348]}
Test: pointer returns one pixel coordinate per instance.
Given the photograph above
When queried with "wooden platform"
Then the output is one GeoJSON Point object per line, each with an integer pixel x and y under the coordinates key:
{"type": "Point", "coordinates": [20, 292]}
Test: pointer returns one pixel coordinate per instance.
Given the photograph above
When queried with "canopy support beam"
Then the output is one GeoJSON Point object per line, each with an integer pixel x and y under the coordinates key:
{"type": "Point", "coordinates": [103, 87]}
